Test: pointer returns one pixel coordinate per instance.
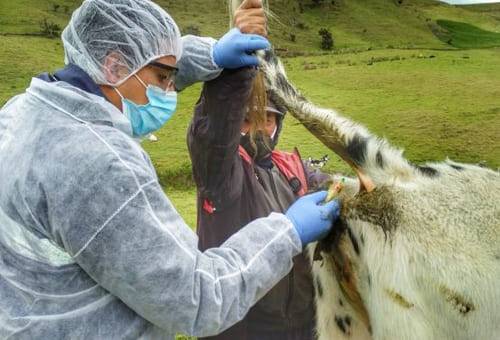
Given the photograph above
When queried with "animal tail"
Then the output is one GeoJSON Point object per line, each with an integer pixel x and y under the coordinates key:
{"type": "Point", "coordinates": [372, 158]}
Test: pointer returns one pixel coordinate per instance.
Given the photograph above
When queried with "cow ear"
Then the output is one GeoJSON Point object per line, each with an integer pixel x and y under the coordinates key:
{"type": "Point", "coordinates": [365, 182]}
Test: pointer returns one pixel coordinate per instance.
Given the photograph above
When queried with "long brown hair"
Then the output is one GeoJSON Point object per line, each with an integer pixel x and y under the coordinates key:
{"type": "Point", "coordinates": [257, 103]}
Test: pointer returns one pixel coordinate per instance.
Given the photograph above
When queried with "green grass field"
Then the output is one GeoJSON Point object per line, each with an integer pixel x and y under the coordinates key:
{"type": "Point", "coordinates": [424, 74]}
{"type": "Point", "coordinates": [435, 101]}
{"type": "Point", "coordinates": [434, 104]}
{"type": "Point", "coordinates": [463, 35]}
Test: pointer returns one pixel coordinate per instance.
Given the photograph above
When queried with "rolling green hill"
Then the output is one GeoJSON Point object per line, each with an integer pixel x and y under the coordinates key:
{"type": "Point", "coordinates": [460, 34]}
{"type": "Point", "coordinates": [357, 25]}
{"type": "Point", "coordinates": [422, 73]}
{"type": "Point", "coordinates": [390, 60]}
{"type": "Point", "coordinates": [376, 41]}
{"type": "Point", "coordinates": [354, 23]}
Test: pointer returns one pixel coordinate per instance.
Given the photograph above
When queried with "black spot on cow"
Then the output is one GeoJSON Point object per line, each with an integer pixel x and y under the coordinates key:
{"type": "Point", "coordinates": [280, 82]}
{"type": "Point", "coordinates": [340, 324]}
{"type": "Point", "coordinates": [347, 320]}
{"type": "Point", "coordinates": [329, 244]}
{"type": "Point", "coordinates": [319, 286]}
{"type": "Point", "coordinates": [356, 149]}
{"type": "Point", "coordinates": [380, 160]}
{"type": "Point", "coordinates": [283, 84]}
{"type": "Point", "coordinates": [428, 171]}
{"type": "Point", "coordinates": [354, 241]}
{"type": "Point", "coordinates": [457, 167]}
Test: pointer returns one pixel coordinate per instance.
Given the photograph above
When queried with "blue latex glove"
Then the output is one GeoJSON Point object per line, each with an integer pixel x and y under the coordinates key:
{"type": "Point", "coordinates": [235, 49]}
{"type": "Point", "coordinates": [312, 220]}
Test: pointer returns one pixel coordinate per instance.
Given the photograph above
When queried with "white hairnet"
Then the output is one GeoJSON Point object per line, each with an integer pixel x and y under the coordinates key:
{"type": "Point", "coordinates": [135, 31]}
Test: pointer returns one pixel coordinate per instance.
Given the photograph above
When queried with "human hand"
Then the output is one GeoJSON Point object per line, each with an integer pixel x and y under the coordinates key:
{"type": "Point", "coordinates": [251, 18]}
{"type": "Point", "coordinates": [235, 49]}
{"type": "Point", "coordinates": [312, 220]}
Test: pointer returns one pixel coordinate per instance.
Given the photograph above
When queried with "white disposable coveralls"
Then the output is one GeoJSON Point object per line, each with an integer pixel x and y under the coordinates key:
{"type": "Point", "coordinates": [90, 246]}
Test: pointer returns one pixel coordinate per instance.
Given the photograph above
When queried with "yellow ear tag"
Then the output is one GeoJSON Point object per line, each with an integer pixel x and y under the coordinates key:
{"type": "Point", "coordinates": [334, 190]}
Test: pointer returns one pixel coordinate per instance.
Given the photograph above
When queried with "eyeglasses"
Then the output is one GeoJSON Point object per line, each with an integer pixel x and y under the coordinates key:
{"type": "Point", "coordinates": [167, 77]}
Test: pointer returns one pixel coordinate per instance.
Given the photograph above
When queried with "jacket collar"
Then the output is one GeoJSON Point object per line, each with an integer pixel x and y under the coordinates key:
{"type": "Point", "coordinates": [79, 104]}
{"type": "Point", "coordinates": [75, 76]}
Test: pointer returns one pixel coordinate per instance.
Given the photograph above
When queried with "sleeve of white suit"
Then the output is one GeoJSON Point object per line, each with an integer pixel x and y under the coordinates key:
{"type": "Point", "coordinates": [124, 232]}
{"type": "Point", "coordinates": [197, 63]}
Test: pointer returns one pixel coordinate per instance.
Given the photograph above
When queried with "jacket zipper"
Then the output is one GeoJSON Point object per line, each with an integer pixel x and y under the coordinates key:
{"type": "Point", "coordinates": [275, 191]}
{"type": "Point", "coordinates": [290, 296]}
{"type": "Point", "coordinates": [291, 275]}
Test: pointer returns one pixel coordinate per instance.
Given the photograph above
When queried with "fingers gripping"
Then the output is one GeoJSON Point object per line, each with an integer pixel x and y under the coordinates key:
{"type": "Point", "coordinates": [247, 4]}
{"type": "Point", "coordinates": [254, 43]}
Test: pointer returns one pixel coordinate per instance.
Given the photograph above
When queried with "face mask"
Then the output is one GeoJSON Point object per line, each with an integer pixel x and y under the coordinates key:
{"type": "Point", "coordinates": [152, 116]}
{"type": "Point", "coordinates": [263, 146]}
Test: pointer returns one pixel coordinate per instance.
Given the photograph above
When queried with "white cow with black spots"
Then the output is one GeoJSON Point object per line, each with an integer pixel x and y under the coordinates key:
{"type": "Point", "coordinates": [416, 253]}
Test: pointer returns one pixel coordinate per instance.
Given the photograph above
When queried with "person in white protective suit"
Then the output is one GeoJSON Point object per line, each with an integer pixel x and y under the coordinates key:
{"type": "Point", "coordinates": [90, 246]}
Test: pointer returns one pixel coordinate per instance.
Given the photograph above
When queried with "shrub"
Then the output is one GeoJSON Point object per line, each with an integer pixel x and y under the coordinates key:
{"type": "Point", "coordinates": [49, 29]}
{"type": "Point", "coordinates": [301, 25]}
{"type": "Point", "coordinates": [55, 7]}
{"type": "Point", "coordinates": [326, 39]}
{"type": "Point", "coordinates": [292, 37]}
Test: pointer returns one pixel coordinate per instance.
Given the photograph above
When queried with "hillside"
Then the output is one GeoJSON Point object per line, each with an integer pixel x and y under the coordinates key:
{"type": "Point", "coordinates": [357, 25]}
{"type": "Point", "coordinates": [433, 96]}
{"type": "Point", "coordinates": [354, 23]}
{"type": "Point", "coordinates": [422, 74]}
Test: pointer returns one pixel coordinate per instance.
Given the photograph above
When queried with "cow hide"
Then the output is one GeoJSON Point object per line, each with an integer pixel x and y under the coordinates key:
{"type": "Point", "coordinates": [416, 251]}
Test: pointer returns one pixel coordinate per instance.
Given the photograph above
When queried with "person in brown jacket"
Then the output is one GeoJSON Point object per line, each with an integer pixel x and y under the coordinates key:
{"type": "Point", "coordinates": [238, 182]}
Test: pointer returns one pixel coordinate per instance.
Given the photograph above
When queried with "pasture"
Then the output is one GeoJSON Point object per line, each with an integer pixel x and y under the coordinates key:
{"type": "Point", "coordinates": [391, 70]}
{"type": "Point", "coordinates": [433, 104]}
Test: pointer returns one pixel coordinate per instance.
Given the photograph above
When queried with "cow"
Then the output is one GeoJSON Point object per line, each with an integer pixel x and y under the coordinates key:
{"type": "Point", "coordinates": [416, 251]}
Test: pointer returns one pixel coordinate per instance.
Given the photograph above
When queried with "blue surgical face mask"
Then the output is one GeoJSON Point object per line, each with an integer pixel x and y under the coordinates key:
{"type": "Point", "coordinates": [152, 116]}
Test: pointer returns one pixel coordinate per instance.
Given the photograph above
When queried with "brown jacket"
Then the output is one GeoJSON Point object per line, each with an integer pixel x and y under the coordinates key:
{"type": "Point", "coordinates": [239, 192]}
